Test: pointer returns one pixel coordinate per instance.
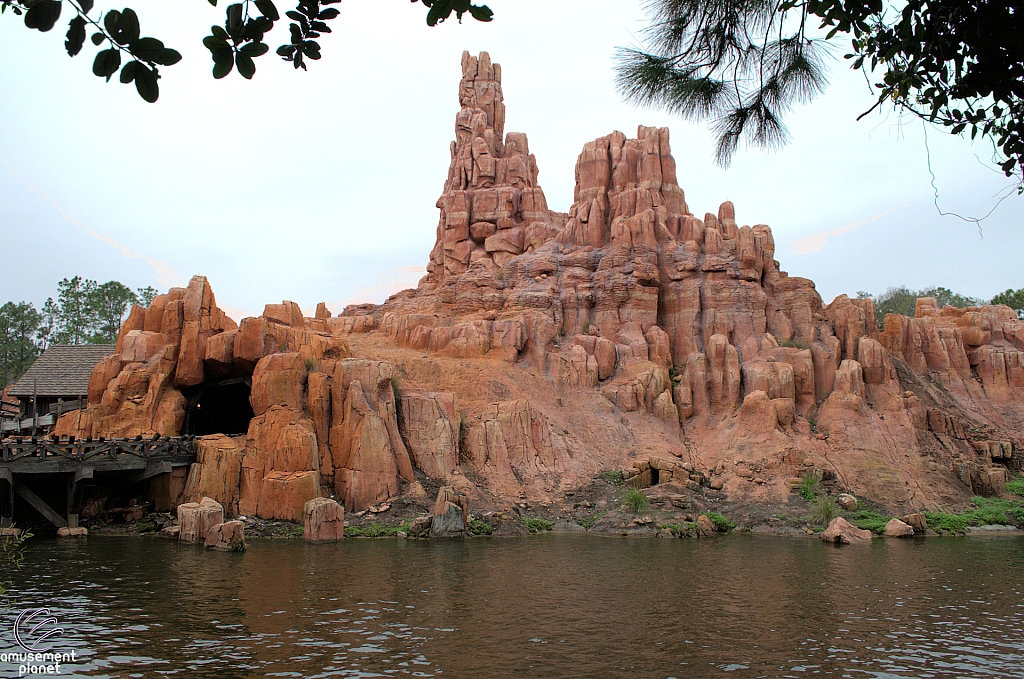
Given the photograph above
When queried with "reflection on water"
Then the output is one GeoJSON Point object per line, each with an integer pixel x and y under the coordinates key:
{"type": "Point", "coordinates": [544, 606]}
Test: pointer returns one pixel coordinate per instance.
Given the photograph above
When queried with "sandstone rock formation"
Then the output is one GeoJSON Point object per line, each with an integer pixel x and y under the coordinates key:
{"type": "Point", "coordinates": [450, 516]}
{"type": "Point", "coordinates": [323, 520]}
{"type": "Point", "coordinates": [897, 529]}
{"type": "Point", "coordinates": [197, 518]}
{"type": "Point", "coordinates": [542, 348]}
{"type": "Point", "coordinates": [841, 532]}
{"type": "Point", "coordinates": [228, 536]}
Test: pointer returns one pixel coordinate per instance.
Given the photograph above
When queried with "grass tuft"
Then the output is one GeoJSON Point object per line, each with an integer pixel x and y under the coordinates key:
{"type": "Point", "coordinates": [635, 501]}
{"type": "Point", "coordinates": [377, 529]}
{"type": "Point", "coordinates": [537, 525]}
{"type": "Point", "coordinates": [477, 527]}
{"type": "Point", "coordinates": [589, 521]}
{"type": "Point", "coordinates": [809, 488]}
{"type": "Point", "coordinates": [825, 509]}
{"type": "Point", "coordinates": [614, 477]}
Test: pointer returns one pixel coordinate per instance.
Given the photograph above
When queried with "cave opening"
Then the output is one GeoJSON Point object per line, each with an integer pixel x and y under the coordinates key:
{"type": "Point", "coordinates": [219, 408]}
{"type": "Point", "coordinates": [654, 476]}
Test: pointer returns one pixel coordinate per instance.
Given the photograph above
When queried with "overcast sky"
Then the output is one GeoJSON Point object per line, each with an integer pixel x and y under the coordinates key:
{"type": "Point", "coordinates": [320, 186]}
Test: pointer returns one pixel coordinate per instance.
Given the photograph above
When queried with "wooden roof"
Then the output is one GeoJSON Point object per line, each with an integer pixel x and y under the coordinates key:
{"type": "Point", "coordinates": [61, 370]}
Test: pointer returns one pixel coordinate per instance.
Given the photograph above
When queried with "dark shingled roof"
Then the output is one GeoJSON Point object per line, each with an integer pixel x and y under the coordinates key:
{"type": "Point", "coordinates": [62, 370]}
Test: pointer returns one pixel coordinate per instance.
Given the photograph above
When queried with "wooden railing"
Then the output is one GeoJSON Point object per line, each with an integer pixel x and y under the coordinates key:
{"type": "Point", "coordinates": [83, 450]}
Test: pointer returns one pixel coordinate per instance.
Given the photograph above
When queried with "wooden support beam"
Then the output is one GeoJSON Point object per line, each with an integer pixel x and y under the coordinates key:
{"type": "Point", "coordinates": [40, 506]}
{"type": "Point", "coordinates": [83, 473]}
{"type": "Point", "coordinates": [5, 474]}
{"type": "Point", "coordinates": [149, 472]}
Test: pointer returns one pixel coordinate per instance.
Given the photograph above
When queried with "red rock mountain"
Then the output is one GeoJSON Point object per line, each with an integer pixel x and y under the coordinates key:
{"type": "Point", "coordinates": [542, 348]}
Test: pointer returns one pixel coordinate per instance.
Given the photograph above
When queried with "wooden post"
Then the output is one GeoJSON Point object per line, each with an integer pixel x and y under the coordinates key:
{"type": "Point", "coordinates": [35, 405]}
{"type": "Point", "coordinates": [7, 513]}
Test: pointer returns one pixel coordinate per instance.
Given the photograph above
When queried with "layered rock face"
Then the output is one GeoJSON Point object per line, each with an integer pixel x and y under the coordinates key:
{"type": "Point", "coordinates": [541, 348]}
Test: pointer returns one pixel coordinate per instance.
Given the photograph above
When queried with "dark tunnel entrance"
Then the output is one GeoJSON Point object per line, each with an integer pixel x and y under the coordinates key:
{"type": "Point", "coordinates": [218, 408]}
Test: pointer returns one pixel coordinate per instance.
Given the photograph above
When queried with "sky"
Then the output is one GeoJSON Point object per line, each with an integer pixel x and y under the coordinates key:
{"type": "Point", "coordinates": [321, 185]}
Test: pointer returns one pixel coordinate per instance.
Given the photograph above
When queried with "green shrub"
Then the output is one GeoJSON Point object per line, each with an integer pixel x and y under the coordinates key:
{"type": "Point", "coordinates": [825, 509]}
{"type": "Point", "coordinates": [612, 477]}
{"type": "Point", "coordinates": [477, 527]}
{"type": "Point", "coordinates": [941, 521]}
{"type": "Point", "coordinates": [723, 524]}
{"type": "Point", "coordinates": [536, 525]}
{"type": "Point", "coordinates": [794, 344]}
{"type": "Point", "coordinates": [312, 366]}
{"type": "Point", "coordinates": [868, 520]}
{"type": "Point", "coordinates": [376, 529]}
{"type": "Point", "coordinates": [809, 488]}
{"type": "Point", "coordinates": [635, 501]}
{"type": "Point", "coordinates": [586, 327]}
{"type": "Point", "coordinates": [1016, 486]}
{"type": "Point", "coordinates": [589, 521]}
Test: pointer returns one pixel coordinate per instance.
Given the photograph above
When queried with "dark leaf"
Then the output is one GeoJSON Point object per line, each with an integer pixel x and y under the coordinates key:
{"type": "Point", "coordinates": [145, 83]}
{"type": "Point", "coordinates": [292, 14]}
{"type": "Point", "coordinates": [213, 43]}
{"type": "Point", "coordinates": [213, 2]}
{"type": "Point", "coordinates": [328, 13]}
{"type": "Point", "coordinates": [86, 5]}
{"type": "Point", "coordinates": [234, 19]}
{"type": "Point", "coordinates": [320, 26]}
{"type": "Point", "coordinates": [106, 63]}
{"type": "Point", "coordinates": [222, 68]}
{"type": "Point", "coordinates": [97, 38]}
{"type": "Point", "coordinates": [168, 57]}
{"type": "Point", "coordinates": [76, 36]}
{"type": "Point", "coordinates": [267, 8]}
{"type": "Point", "coordinates": [219, 32]}
{"type": "Point", "coordinates": [440, 11]}
{"type": "Point", "coordinates": [146, 49]}
{"type": "Point", "coordinates": [123, 27]}
{"type": "Point", "coordinates": [43, 15]}
{"type": "Point", "coordinates": [128, 72]}
{"type": "Point", "coordinates": [245, 64]}
{"type": "Point", "coordinates": [255, 49]}
{"type": "Point", "coordinates": [286, 50]}
{"type": "Point", "coordinates": [481, 13]}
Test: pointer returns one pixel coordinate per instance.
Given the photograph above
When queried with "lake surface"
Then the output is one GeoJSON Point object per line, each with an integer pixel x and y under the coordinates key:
{"type": "Point", "coordinates": [538, 607]}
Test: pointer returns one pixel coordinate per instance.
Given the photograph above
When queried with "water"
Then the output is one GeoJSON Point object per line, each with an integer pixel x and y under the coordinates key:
{"type": "Point", "coordinates": [545, 606]}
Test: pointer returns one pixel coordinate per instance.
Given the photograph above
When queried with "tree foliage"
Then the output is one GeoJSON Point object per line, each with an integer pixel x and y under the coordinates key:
{"type": "Point", "coordinates": [742, 64]}
{"type": "Point", "coordinates": [232, 46]}
{"type": "Point", "coordinates": [903, 301]}
{"type": "Point", "coordinates": [84, 312]}
{"type": "Point", "coordinates": [1013, 299]}
{"type": "Point", "coordinates": [18, 348]}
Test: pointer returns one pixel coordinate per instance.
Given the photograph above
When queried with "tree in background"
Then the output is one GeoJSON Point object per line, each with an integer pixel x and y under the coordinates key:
{"type": "Point", "coordinates": [85, 312]}
{"type": "Point", "coordinates": [743, 64]}
{"type": "Point", "coordinates": [107, 305]}
{"type": "Point", "coordinates": [1013, 299]}
{"type": "Point", "coordinates": [232, 46]}
{"type": "Point", "coordinates": [18, 348]}
{"type": "Point", "coordinates": [903, 300]}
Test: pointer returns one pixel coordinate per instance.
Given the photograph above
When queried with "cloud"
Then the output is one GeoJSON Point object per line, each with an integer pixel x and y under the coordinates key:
{"type": "Point", "coordinates": [398, 279]}
{"type": "Point", "coordinates": [814, 242]}
{"type": "Point", "coordinates": [166, 275]}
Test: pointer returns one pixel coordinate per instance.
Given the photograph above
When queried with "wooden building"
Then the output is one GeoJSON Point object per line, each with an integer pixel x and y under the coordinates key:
{"type": "Point", "coordinates": [56, 383]}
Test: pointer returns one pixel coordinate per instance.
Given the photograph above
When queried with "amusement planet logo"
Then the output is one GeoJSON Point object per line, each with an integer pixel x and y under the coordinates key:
{"type": "Point", "coordinates": [33, 628]}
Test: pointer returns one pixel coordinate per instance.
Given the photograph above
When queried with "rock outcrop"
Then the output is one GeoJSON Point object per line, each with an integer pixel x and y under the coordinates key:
{"type": "Point", "coordinates": [841, 532]}
{"type": "Point", "coordinates": [543, 347]}
{"type": "Point", "coordinates": [323, 520]}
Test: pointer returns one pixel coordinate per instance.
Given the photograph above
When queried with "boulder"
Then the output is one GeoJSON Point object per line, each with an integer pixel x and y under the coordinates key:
{"type": "Point", "coordinates": [323, 520]}
{"type": "Point", "coordinates": [228, 536]}
{"type": "Point", "coordinates": [847, 502]}
{"type": "Point", "coordinates": [917, 521]}
{"type": "Point", "coordinates": [840, 532]}
{"type": "Point", "coordinates": [705, 526]}
{"type": "Point", "coordinates": [284, 494]}
{"type": "Point", "coordinates": [420, 526]}
{"type": "Point", "coordinates": [196, 519]}
{"type": "Point", "coordinates": [449, 519]}
{"type": "Point", "coordinates": [897, 529]}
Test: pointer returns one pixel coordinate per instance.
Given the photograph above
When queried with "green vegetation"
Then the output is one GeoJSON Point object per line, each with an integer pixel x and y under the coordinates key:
{"type": "Point", "coordinates": [825, 509]}
{"type": "Point", "coordinates": [1016, 486]}
{"type": "Point", "coordinates": [635, 501]}
{"type": "Point", "coordinates": [396, 386]}
{"type": "Point", "coordinates": [903, 300]}
{"type": "Point", "coordinates": [809, 488]}
{"type": "Point", "coordinates": [723, 524]}
{"type": "Point", "coordinates": [13, 548]}
{"type": "Point", "coordinates": [377, 529]}
{"type": "Point", "coordinates": [313, 366]}
{"type": "Point", "coordinates": [1013, 299]}
{"type": "Point", "coordinates": [987, 511]}
{"type": "Point", "coordinates": [477, 527]}
{"type": "Point", "coordinates": [586, 327]}
{"type": "Point", "coordinates": [535, 525]}
{"type": "Point", "coordinates": [612, 477]}
{"type": "Point", "coordinates": [869, 520]}
{"type": "Point", "coordinates": [589, 521]}
{"type": "Point", "coordinates": [794, 344]}
{"type": "Point", "coordinates": [85, 312]}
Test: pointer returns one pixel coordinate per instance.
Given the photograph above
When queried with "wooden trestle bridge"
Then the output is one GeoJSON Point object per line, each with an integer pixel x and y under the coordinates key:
{"type": "Point", "coordinates": [70, 463]}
